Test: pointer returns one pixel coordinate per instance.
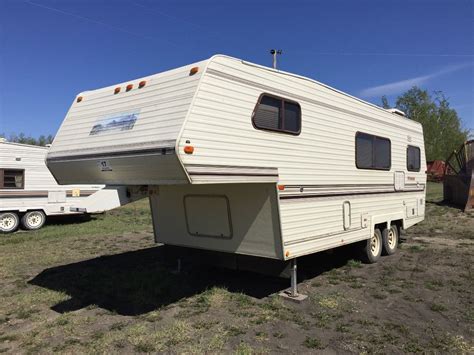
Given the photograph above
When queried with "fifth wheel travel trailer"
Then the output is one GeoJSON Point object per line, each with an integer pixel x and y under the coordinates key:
{"type": "Point", "coordinates": [249, 160]}
{"type": "Point", "coordinates": [29, 193]}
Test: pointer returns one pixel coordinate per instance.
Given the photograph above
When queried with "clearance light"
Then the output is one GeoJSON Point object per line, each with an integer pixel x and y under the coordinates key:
{"type": "Point", "coordinates": [189, 149]}
{"type": "Point", "coordinates": [117, 90]}
{"type": "Point", "coordinates": [129, 87]}
{"type": "Point", "coordinates": [141, 84]}
{"type": "Point", "coordinates": [79, 99]}
{"type": "Point", "coordinates": [287, 254]}
{"type": "Point", "coordinates": [193, 70]}
{"type": "Point", "coordinates": [281, 187]}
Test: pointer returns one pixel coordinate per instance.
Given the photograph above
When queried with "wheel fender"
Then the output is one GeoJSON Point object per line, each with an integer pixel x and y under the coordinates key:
{"type": "Point", "coordinates": [385, 218]}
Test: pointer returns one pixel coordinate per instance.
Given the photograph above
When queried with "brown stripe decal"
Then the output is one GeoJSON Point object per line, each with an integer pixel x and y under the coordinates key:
{"type": "Point", "coordinates": [41, 193]}
{"type": "Point", "coordinates": [344, 193]}
{"type": "Point", "coordinates": [232, 174]}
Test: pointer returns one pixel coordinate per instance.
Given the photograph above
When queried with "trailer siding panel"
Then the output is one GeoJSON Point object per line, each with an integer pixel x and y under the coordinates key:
{"type": "Point", "coordinates": [321, 161]}
{"type": "Point", "coordinates": [161, 105]}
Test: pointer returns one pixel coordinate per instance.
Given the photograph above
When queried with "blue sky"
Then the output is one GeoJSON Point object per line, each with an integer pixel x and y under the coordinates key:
{"type": "Point", "coordinates": [50, 50]}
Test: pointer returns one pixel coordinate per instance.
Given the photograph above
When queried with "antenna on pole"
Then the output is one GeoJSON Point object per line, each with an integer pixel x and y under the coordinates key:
{"type": "Point", "coordinates": [274, 53]}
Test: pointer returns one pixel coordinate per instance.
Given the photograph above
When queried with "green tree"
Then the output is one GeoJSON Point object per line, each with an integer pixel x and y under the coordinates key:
{"type": "Point", "coordinates": [24, 139]}
{"type": "Point", "coordinates": [442, 126]}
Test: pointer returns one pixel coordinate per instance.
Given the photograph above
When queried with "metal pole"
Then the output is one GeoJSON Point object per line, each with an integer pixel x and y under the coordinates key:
{"type": "Point", "coordinates": [294, 282]}
{"type": "Point", "coordinates": [274, 53]}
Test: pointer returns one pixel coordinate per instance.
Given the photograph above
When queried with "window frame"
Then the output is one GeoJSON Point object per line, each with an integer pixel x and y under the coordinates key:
{"type": "Point", "coordinates": [2, 179]}
{"type": "Point", "coordinates": [282, 114]}
{"type": "Point", "coordinates": [419, 158]}
{"type": "Point", "coordinates": [373, 151]}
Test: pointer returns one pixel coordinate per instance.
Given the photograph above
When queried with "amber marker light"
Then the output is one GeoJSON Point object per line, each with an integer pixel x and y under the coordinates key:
{"type": "Point", "coordinates": [287, 254]}
{"type": "Point", "coordinates": [117, 90]}
{"type": "Point", "coordinates": [189, 149]}
{"type": "Point", "coordinates": [193, 70]}
{"type": "Point", "coordinates": [79, 99]}
{"type": "Point", "coordinates": [281, 187]}
{"type": "Point", "coordinates": [141, 84]}
{"type": "Point", "coordinates": [129, 87]}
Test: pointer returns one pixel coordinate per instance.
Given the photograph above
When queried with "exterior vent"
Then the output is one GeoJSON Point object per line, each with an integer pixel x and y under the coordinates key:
{"type": "Point", "coordinates": [396, 111]}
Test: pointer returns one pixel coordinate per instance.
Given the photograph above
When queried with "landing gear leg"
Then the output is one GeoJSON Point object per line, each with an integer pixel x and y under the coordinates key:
{"type": "Point", "coordinates": [292, 294]}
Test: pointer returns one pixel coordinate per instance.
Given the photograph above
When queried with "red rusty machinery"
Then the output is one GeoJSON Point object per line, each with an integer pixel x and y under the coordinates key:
{"type": "Point", "coordinates": [435, 170]}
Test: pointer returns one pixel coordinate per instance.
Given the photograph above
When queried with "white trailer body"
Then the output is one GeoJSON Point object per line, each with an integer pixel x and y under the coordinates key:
{"type": "Point", "coordinates": [26, 185]}
{"type": "Point", "coordinates": [245, 159]}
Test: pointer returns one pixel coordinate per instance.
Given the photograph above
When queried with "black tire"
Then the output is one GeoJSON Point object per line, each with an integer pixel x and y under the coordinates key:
{"type": "Point", "coordinates": [33, 220]}
{"type": "Point", "coordinates": [9, 222]}
{"type": "Point", "coordinates": [390, 238]}
{"type": "Point", "coordinates": [372, 248]}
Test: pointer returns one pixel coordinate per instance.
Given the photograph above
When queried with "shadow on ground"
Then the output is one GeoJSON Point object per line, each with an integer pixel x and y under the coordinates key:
{"type": "Point", "coordinates": [69, 219]}
{"type": "Point", "coordinates": [138, 282]}
{"type": "Point", "coordinates": [448, 204]}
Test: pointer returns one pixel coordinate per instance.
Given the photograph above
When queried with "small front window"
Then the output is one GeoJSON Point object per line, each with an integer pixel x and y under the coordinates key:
{"type": "Point", "coordinates": [12, 178]}
{"type": "Point", "coordinates": [413, 158]}
{"type": "Point", "coordinates": [277, 114]}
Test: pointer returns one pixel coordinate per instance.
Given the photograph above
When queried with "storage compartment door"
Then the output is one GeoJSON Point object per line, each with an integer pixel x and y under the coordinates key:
{"type": "Point", "coordinates": [421, 206]}
{"type": "Point", "coordinates": [208, 216]}
{"type": "Point", "coordinates": [399, 180]}
{"type": "Point", "coordinates": [411, 209]}
{"type": "Point", "coordinates": [56, 196]}
{"type": "Point", "coordinates": [346, 215]}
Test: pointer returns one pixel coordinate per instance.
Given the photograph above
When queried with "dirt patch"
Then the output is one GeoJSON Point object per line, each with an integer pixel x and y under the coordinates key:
{"type": "Point", "coordinates": [111, 292]}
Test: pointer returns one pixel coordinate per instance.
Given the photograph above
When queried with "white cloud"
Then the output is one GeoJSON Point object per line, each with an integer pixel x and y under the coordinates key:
{"type": "Point", "coordinates": [403, 85]}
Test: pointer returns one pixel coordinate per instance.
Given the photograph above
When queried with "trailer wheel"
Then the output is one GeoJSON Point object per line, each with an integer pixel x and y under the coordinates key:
{"type": "Point", "coordinates": [32, 220]}
{"type": "Point", "coordinates": [390, 240]}
{"type": "Point", "coordinates": [372, 248]}
{"type": "Point", "coordinates": [9, 222]}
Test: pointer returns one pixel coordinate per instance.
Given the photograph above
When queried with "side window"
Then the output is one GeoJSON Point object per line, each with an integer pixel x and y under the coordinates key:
{"type": "Point", "coordinates": [413, 158]}
{"type": "Point", "coordinates": [12, 179]}
{"type": "Point", "coordinates": [364, 151]}
{"type": "Point", "coordinates": [277, 114]}
{"type": "Point", "coordinates": [373, 152]}
{"type": "Point", "coordinates": [382, 153]}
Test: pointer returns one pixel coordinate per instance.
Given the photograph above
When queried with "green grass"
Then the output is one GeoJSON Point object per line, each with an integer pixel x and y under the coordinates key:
{"type": "Point", "coordinates": [436, 307]}
{"type": "Point", "coordinates": [313, 343]}
{"type": "Point", "coordinates": [118, 297]}
{"type": "Point", "coordinates": [439, 218]}
{"type": "Point", "coordinates": [434, 192]}
{"type": "Point", "coordinates": [134, 217]}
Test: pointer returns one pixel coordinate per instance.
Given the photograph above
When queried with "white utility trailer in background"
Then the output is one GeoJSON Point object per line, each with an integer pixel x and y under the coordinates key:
{"type": "Point", "coordinates": [29, 193]}
{"type": "Point", "coordinates": [244, 159]}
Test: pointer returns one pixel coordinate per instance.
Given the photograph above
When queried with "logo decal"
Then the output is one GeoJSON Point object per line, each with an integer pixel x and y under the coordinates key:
{"type": "Point", "coordinates": [104, 165]}
{"type": "Point", "coordinates": [119, 122]}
